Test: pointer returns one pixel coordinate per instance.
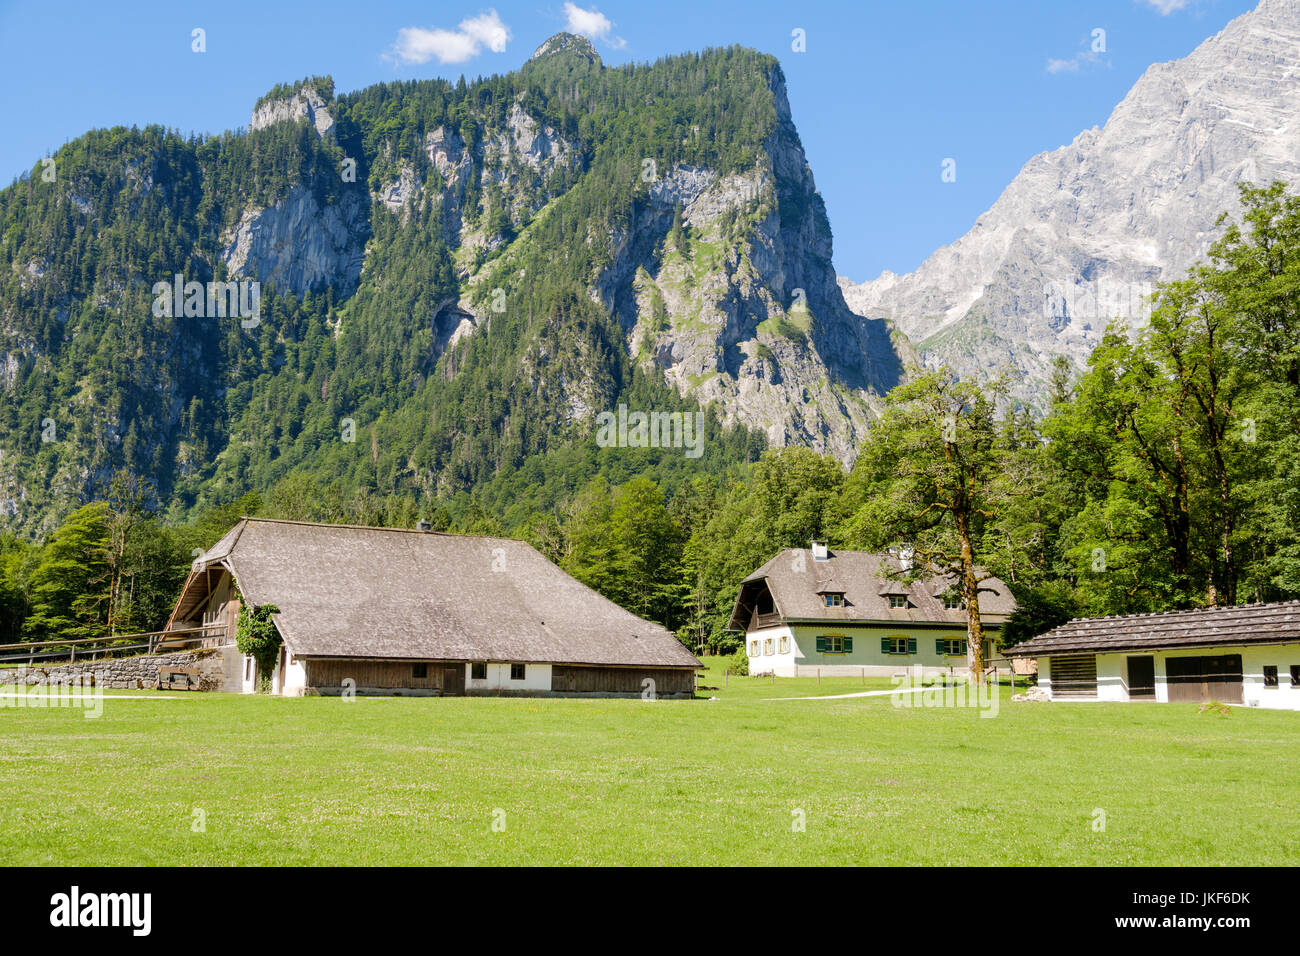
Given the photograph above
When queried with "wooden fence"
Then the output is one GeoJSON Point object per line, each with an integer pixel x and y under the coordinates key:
{"type": "Point", "coordinates": [111, 645]}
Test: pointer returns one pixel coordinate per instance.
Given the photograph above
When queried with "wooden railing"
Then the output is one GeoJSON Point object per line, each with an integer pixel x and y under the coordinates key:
{"type": "Point", "coordinates": [110, 645]}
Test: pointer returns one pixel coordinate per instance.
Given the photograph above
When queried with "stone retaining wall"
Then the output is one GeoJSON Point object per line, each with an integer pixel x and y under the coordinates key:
{"type": "Point", "coordinates": [127, 673]}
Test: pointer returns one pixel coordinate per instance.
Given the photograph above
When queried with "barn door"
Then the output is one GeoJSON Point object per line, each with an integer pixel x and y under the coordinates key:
{"type": "Point", "coordinates": [1142, 678]}
{"type": "Point", "coordinates": [1204, 678]}
{"type": "Point", "coordinates": [453, 681]}
{"type": "Point", "coordinates": [1223, 678]}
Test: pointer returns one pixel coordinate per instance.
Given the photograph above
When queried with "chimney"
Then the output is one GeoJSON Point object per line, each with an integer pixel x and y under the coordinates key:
{"type": "Point", "coordinates": [423, 525]}
{"type": "Point", "coordinates": [905, 555]}
{"type": "Point", "coordinates": [819, 551]}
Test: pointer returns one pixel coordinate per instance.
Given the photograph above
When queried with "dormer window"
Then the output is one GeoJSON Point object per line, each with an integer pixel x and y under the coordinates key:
{"type": "Point", "coordinates": [897, 601]}
{"type": "Point", "coordinates": [952, 602]}
{"type": "Point", "coordinates": [831, 592]}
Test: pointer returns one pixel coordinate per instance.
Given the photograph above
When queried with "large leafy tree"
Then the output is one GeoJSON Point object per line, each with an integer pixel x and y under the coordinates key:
{"type": "Point", "coordinates": [1180, 442]}
{"type": "Point", "coordinates": [17, 560]}
{"type": "Point", "coordinates": [71, 585]}
{"type": "Point", "coordinates": [626, 545]}
{"type": "Point", "coordinates": [933, 477]}
{"type": "Point", "coordinates": [1256, 279]}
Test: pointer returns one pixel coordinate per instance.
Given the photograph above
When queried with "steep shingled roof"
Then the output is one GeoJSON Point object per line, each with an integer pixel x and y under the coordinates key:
{"type": "Point", "coordinates": [793, 577]}
{"type": "Point", "coordinates": [1242, 624]}
{"type": "Point", "coordinates": [348, 591]}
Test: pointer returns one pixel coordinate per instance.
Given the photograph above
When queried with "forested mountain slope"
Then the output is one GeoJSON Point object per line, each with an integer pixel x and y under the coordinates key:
{"type": "Point", "coordinates": [454, 280]}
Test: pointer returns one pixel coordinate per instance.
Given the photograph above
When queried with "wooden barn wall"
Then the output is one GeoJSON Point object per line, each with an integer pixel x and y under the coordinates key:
{"type": "Point", "coordinates": [620, 680]}
{"type": "Point", "coordinates": [222, 607]}
{"type": "Point", "coordinates": [328, 673]}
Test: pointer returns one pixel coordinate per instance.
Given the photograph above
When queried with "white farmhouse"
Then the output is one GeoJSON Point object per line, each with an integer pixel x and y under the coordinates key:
{"type": "Point", "coordinates": [850, 613]}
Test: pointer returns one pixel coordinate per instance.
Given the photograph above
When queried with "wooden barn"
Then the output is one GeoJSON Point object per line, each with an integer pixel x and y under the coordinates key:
{"type": "Point", "coordinates": [415, 612]}
{"type": "Point", "coordinates": [1235, 655]}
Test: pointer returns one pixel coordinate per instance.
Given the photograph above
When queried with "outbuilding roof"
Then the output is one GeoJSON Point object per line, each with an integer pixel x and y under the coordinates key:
{"type": "Point", "coordinates": [797, 585]}
{"type": "Point", "coordinates": [349, 591]}
{"type": "Point", "coordinates": [1202, 627]}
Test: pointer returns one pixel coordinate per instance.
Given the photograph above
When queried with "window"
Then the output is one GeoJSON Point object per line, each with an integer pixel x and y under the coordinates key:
{"type": "Point", "coordinates": [517, 671]}
{"type": "Point", "coordinates": [950, 646]}
{"type": "Point", "coordinates": [478, 670]}
{"type": "Point", "coordinates": [1295, 675]}
{"type": "Point", "coordinates": [952, 602]}
{"type": "Point", "coordinates": [834, 644]}
{"type": "Point", "coordinates": [834, 600]}
{"type": "Point", "coordinates": [248, 668]}
{"type": "Point", "coordinates": [898, 645]}
{"type": "Point", "coordinates": [767, 646]}
{"type": "Point", "coordinates": [897, 600]}
{"type": "Point", "coordinates": [1270, 675]}
{"type": "Point", "coordinates": [753, 648]}
{"type": "Point", "coordinates": [419, 670]}
{"type": "Point", "coordinates": [785, 649]}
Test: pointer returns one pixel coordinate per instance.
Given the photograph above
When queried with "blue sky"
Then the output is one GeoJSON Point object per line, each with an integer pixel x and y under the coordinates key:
{"type": "Point", "coordinates": [883, 93]}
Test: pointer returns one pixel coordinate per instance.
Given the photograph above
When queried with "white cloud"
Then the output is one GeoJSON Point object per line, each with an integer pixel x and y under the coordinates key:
{"type": "Point", "coordinates": [1166, 7]}
{"type": "Point", "coordinates": [1076, 62]}
{"type": "Point", "coordinates": [418, 45]}
{"type": "Point", "coordinates": [487, 29]}
{"type": "Point", "coordinates": [591, 24]}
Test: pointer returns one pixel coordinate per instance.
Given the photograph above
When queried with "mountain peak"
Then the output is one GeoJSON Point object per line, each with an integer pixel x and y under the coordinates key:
{"type": "Point", "coordinates": [570, 43]}
{"type": "Point", "coordinates": [1082, 234]}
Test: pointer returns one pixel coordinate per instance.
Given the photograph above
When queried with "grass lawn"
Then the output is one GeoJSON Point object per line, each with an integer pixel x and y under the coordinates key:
{"type": "Point", "coordinates": [420, 781]}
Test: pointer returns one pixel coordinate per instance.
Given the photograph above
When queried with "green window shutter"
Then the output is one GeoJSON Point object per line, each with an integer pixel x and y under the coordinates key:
{"type": "Point", "coordinates": [821, 645]}
{"type": "Point", "coordinates": [885, 645]}
{"type": "Point", "coordinates": [848, 645]}
{"type": "Point", "coordinates": [939, 643]}
{"type": "Point", "coordinates": [963, 647]}
{"type": "Point", "coordinates": [911, 645]}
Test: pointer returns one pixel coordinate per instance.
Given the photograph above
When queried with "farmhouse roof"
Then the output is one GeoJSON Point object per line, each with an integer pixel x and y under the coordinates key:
{"type": "Point", "coordinates": [349, 591]}
{"type": "Point", "coordinates": [795, 583]}
{"type": "Point", "coordinates": [1239, 624]}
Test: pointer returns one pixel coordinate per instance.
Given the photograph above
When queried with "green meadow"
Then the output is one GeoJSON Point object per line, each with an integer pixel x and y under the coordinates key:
{"type": "Point", "coordinates": [739, 779]}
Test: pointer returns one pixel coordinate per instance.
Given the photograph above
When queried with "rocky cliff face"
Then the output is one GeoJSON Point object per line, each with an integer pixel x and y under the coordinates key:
{"type": "Point", "coordinates": [744, 310]}
{"type": "Point", "coordinates": [306, 103]}
{"type": "Point", "coordinates": [299, 245]}
{"type": "Point", "coordinates": [1084, 232]}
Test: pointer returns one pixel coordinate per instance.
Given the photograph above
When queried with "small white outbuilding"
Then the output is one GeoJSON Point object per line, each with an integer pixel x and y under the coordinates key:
{"type": "Point", "coordinates": [1248, 654]}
